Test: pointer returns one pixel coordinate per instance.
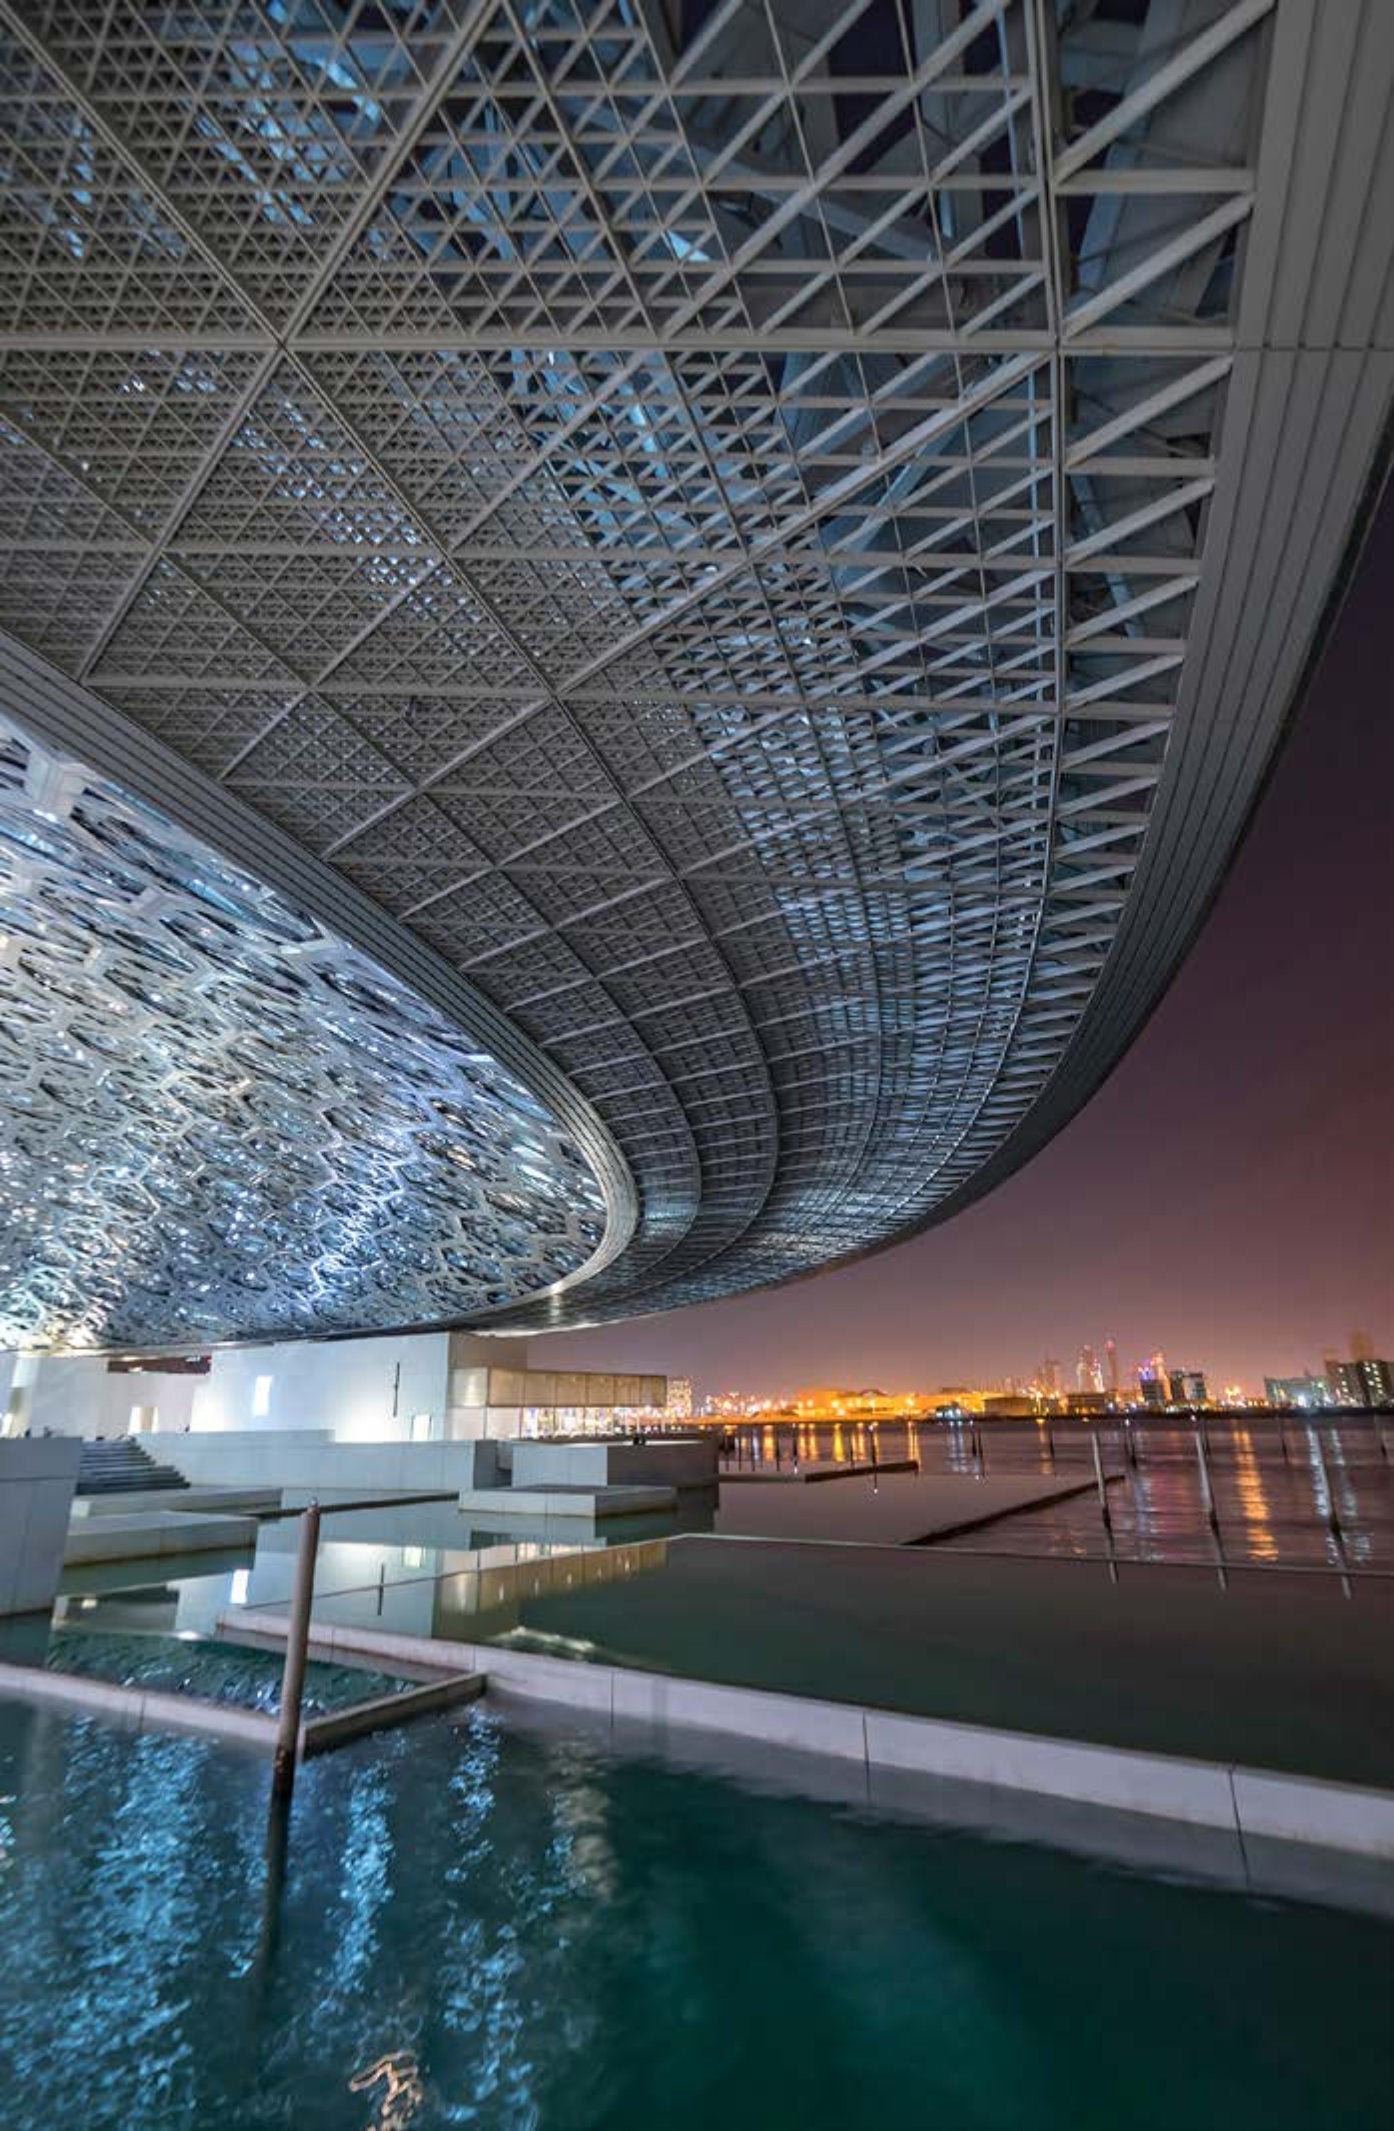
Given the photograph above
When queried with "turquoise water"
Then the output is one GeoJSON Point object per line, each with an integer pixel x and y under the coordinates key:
{"type": "Point", "coordinates": [218, 1672]}
{"type": "Point", "coordinates": [485, 1929]}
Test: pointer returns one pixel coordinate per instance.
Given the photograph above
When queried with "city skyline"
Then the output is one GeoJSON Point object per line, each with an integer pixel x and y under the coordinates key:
{"type": "Point", "coordinates": [1263, 1084]}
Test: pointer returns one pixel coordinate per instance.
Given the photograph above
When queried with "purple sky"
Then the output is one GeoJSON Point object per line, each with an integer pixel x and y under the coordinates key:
{"type": "Point", "coordinates": [1229, 1194]}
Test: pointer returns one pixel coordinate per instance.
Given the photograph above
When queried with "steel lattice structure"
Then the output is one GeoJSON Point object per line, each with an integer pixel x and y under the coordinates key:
{"type": "Point", "coordinates": [759, 549]}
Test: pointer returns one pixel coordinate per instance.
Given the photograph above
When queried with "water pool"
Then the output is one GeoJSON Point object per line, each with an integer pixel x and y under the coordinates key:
{"type": "Point", "coordinates": [217, 1672]}
{"type": "Point", "coordinates": [479, 1927]}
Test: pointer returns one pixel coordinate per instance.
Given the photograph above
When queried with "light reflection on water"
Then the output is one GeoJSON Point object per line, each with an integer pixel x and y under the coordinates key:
{"type": "Point", "coordinates": [399, 2076]}
{"type": "Point", "coordinates": [1248, 1483]}
{"type": "Point", "coordinates": [418, 1569]}
{"type": "Point", "coordinates": [1275, 1488]}
{"type": "Point", "coordinates": [525, 1935]}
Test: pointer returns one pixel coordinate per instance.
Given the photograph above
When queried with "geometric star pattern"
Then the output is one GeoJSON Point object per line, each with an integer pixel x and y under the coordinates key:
{"type": "Point", "coordinates": [218, 1121]}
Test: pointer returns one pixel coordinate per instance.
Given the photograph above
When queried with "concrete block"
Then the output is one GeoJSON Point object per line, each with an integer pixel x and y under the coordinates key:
{"type": "Point", "coordinates": [14, 1523]}
{"type": "Point", "coordinates": [311, 1460]}
{"type": "Point", "coordinates": [546, 1464]}
{"type": "Point", "coordinates": [552, 1679]}
{"type": "Point", "coordinates": [1337, 1816]}
{"type": "Point", "coordinates": [45, 1536]}
{"type": "Point", "coordinates": [381, 1712]}
{"type": "Point", "coordinates": [97, 1698]}
{"type": "Point", "coordinates": [792, 1721]}
{"type": "Point", "coordinates": [212, 1720]}
{"type": "Point", "coordinates": [579, 1504]}
{"type": "Point", "coordinates": [159, 1533]}
{"type": "Point", "coordinates": [1178, 1789]}
{"type": "Point", "coordinates": [248, 1501]}
{"type": "Point", "coordinates": [39, 1457]}
{"type": "Point", "coordinates": [686, 1462]}
{"type": "Point", "coordinates": [37, 1478]}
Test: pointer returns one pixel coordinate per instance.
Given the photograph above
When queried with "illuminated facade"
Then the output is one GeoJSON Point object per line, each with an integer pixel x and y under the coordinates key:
{"type": "Point", "coordinates": [752, 560]}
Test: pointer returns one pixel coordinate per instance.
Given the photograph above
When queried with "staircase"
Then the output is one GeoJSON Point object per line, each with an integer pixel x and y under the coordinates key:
{"type": "Point", "coordinates": [122, 1466]}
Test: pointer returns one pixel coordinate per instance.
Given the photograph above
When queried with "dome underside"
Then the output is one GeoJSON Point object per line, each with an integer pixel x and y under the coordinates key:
{"type": "Point", "coordinates": [774, 545]}
{"type": "Point", "coordinates": [218, 1121]}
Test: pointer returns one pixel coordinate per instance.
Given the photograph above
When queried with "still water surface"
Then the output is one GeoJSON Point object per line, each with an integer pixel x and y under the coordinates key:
{"type": "Point", "coordinates": [481, 1928]}
{"type": "Point", "coordinates": [1291, 1493]}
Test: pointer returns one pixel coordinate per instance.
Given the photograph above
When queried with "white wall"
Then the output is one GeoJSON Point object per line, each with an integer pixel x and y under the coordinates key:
{"type": "Point", "coordinates": [68, 1395]}
{"type": "Point", "coordinates": [310, 1462]}
{"type": "Point", "coordinates": [347, 1386]}
{"type": "Point", "coordinates": [76, 1394]}
{"type": "Point", "coordinates": [361, 1390]}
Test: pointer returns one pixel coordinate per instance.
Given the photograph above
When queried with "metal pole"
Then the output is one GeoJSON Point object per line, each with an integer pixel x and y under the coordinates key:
{"type": "Point", "coordinates": [1103, 1484]}
{"type": "Point", "coordinates": [1050, 1444]}
{"type": "Point", "coordinates": [1332, 1519]}
{"type": "Point", "coordinates": [297, 1638]}
{"type": "Point", "coordinates": [1207, 1492]}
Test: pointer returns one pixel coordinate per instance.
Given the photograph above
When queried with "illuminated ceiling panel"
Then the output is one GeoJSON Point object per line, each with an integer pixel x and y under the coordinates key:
{"type": "Point", "coordinates": [218, 1120]}
{"type": "Point", "coordinates": [769, 546]}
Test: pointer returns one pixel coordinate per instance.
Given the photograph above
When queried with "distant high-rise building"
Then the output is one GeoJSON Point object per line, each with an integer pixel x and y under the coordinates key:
{"type": "Point", "coordinates": [1343, 1381]}
{"type": "Point", "coordinates": [1362, 1347]}
{"type": "Point", "coordinates": [1306, 1393]}
{"type": "Point", "coordinates": [1088, 1374]}
{"type": "Point", "coordinates": [1086, 1402]}
{"type": "Point", "coordinates": [1111, 1358]}
{"type": "Point", "coordinates": [1050, 1375]}
{"type": "Point", "coordinates": [1152, 1381]}
{"type": "Point", "coordinates": [1377, 1377]}
{"type": "Point", "coordinates": [1363, 1382]}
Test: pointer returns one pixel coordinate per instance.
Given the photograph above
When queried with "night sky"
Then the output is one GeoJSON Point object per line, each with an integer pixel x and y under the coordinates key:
{"type": "Point", "coordinates": [1228, 1195]}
